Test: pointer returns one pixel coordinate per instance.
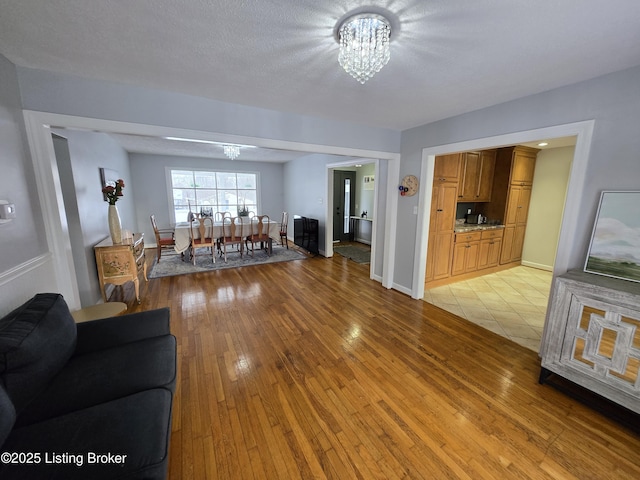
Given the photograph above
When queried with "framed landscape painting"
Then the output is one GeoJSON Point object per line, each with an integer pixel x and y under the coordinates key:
{"type": "Point", "coordinates": [615, 243]}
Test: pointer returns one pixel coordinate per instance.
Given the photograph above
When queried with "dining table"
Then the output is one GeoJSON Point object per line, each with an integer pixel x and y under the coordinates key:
{"type": "Point", "coordinates": [182, 232]}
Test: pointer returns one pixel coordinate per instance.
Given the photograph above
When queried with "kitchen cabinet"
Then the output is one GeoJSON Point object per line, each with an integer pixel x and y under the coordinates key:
{"type": "Point", "coordinates": [447, 168]}
{"type": "Point", "coordinates": [441, 230]}
{"type": "Point", "coordinates": [121, 263]}
{"type": "Point", "coordinates": [592, 336]}
{"type": "Point", "coordinates": [476, 176]}
{"type": "Point", "coordinates": [485, 176]}
{"type": "Point", "coordinates": [490, 247]}
{"type": "Point", "coordinates": [515, 222]}
{"type": "Point", "coordinates": [465, 252]}
{"type": "Point", "coordinates": [523, 164]}
{"type": "Point", "coordinates": [442, 218]}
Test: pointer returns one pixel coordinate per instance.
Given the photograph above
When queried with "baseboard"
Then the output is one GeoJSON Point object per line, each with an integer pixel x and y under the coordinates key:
{"type": "Point", "coordinates": [539, 266]}
{"type": "Point", "coordinates": [467, 276]}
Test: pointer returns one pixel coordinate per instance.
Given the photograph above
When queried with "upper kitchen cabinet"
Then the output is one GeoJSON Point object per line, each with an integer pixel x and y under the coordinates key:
{"type": "Point", "coordinates": [523, 164]}
{"type": "Point", "coordinates": [447, 168]}
{"type": "Point", "coordinates": [476, 176]}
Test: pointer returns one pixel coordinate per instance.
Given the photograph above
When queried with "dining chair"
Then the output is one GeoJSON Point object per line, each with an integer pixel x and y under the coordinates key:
{"type": "Point", "coordinates": [218, 219]}
{"type": "Point", "coordinates": [261, 235]}
{"type": "Point", "coordinates": [233, 233]}
{"type": "Point", "coordinates": [283, 229]}
{"type": "Point", "coordinates": [203, 226]}
{"type": "Point", "coordinates": [164, 237]}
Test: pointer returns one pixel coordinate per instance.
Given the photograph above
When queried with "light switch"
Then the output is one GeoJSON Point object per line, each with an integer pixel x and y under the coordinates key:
{"type": "Point", "coordinates": [7, 211]}
{"type": "Point", "coordinates": [415, 210]}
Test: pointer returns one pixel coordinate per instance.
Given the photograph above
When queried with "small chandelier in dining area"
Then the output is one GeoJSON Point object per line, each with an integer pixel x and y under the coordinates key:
{"type": "Point", "coordinates": [364, 45]}
{"type": "Point", "coordinates": [231, 151]}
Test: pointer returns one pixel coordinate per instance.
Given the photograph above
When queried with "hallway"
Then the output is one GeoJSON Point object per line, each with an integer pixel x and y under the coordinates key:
{"type": "Point", "coordinates": [511, 303]}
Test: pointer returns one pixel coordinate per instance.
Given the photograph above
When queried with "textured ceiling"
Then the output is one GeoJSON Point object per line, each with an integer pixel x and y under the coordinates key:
{"type": "Point", "coordinates": [447, 57]}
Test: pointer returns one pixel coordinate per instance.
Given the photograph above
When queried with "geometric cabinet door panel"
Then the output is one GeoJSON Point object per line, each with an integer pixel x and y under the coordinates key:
{"type": "Point", "coordinates": [592, 336]}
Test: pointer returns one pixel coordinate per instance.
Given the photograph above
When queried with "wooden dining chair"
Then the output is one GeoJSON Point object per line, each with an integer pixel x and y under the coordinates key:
{"type": "Point", "coordinates": [261, 235]}
{"type": "Point", "coordinates": [164, 237]}
{"type": "Point", "coordinates": [233, 234]}
{"type": "Point", "coordinates": [201, 228]}
{"type": "Point", "coordinates": [219, 219]}
{"type": "Point", "coordinates": [283, 229]}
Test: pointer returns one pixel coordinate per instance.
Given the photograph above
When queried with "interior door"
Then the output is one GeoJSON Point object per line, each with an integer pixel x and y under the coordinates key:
{"type": "Point", "coordinates": [344, 203]}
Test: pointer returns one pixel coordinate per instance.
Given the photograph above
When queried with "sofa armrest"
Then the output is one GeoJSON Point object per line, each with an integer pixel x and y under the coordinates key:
{"type": "Point", "coordinates": [110, 332]}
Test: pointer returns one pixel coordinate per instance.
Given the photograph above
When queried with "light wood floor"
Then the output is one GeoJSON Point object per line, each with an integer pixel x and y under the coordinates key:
{"type": "Point", "coordinates": [308, 369]}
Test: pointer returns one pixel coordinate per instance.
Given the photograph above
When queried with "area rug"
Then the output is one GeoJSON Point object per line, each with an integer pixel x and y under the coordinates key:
{"type": "Point", "coordinates": [357, 254]}
{"type": "Point", "coordinates": [173, 264]}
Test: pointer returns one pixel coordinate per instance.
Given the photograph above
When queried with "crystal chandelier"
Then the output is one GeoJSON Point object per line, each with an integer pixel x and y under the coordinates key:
{"type": "Point", "coordinates": [231, 151]}
{"type": "Point", "coordinates": [364, 45]}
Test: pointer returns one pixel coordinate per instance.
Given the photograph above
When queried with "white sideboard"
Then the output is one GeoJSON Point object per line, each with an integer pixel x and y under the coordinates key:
{"type": "Point", "coordinates": [592, 336]}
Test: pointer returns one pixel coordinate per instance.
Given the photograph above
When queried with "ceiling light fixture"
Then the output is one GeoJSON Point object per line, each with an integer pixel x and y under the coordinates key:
{"type": "Point", "coordinates": [364, 45]}
{"type": "Point", "coordinates": [231, 151]}
{"type": "Point", "coordinates": [543, 144]}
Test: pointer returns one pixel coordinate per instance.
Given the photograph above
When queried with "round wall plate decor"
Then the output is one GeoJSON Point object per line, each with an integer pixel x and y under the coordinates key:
{"type": "Point", "coordinates": [410, 185]}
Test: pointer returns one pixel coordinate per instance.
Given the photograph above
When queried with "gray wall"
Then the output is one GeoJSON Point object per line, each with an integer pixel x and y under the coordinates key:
{"type": "Point", "coordinates": [23, 238]}
{"type": "Point", "coordinates": [65, 94]}
{"type": "Point", "coordinates": [612, 101]}
{"type": "Point", "coordinates": [306, 191]}
{"type": "Point", "coordinates": [88, 152]}
{"type": "Point", "coordinates": [149, 174]}
{"type": "Point", "coordinates": [25, 262]}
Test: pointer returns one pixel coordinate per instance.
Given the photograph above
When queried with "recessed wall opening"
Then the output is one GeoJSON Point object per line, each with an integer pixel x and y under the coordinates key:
{"type": "Point", "coordinates": [477, 280]}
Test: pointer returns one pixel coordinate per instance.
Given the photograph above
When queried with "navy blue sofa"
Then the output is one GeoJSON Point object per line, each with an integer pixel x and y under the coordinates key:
{"type": "Point", "coordinates": [84, 401]}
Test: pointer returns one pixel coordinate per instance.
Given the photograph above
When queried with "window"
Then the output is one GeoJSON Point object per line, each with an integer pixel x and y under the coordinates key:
{"type": "Point", "coordinates": [210, 192]}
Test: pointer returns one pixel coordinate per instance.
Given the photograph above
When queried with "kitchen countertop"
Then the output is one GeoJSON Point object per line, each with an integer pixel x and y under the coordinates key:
{"type": "Point", "coordinates": [472, 228]}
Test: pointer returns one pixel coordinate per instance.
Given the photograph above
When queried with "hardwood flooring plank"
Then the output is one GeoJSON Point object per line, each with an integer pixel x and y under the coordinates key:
{"type": "Point", "coordinates": [309, 369]}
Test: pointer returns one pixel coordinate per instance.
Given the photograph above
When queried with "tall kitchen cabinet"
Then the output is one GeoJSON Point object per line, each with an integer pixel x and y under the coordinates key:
{"type": "Point", "coordinates": [512, 194]}
{"type": "Point", "coordinates": [515, 223]}
{"type": "Point", "coordinates": [443, 216]}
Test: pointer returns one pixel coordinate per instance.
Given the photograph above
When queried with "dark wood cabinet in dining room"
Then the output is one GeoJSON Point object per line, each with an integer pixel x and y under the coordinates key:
{"type": "Point", "coordinates": [305, 233]}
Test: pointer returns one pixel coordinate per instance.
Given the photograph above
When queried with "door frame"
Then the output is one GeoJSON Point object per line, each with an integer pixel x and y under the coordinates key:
{"type": "Point", "coordinates": [387, 190]}
{"type": "Point", "coordinates": [352, 194]}
{"type": "Point", "coordinates": [571, 214]}
{"type": "Point", "coordinates": [38, 131]}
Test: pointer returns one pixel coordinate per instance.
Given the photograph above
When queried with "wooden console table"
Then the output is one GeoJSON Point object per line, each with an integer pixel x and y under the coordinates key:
{"type": "Point", "coordinates": [121, 263]}
{"type": "Point", "coordinates": [592, 336]}
{"type": "Point", "coordinates": [101, 310]}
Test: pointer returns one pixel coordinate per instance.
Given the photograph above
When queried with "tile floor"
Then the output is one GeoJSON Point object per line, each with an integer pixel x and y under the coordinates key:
{"type": "Point", "coordinates": [511, 303]}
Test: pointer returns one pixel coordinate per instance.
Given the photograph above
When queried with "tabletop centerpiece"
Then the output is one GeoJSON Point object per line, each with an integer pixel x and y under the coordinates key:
{"type": "Point", "coordinates": [112, 193]}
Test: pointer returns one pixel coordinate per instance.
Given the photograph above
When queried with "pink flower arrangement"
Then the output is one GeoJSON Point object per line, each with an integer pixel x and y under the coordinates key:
{"type": "Point", "coordinates": [113, 192]}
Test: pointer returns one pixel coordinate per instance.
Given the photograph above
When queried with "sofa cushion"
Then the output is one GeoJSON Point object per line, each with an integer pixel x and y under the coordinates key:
{"type": "Point", "coordinates": [105, 375]}
{"type": "Point", "coordinates": [7, 415]}
{"type": "Point", "coordinates": [114, 331]}
{"type": "Point", "coordinates": [134, 430]}
{"type": "Point", "coordinates": [36, 340]}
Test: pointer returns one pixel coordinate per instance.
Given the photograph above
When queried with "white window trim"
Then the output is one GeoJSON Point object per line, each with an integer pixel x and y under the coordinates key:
{"type": "Point", "coordinates": [169, 183]}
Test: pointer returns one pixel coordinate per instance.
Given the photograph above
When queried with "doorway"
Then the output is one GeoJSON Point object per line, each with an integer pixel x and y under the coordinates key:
{"type": "Point", "coordinates": [571, 216]}
{"type": "Point", "coordinates": [344, 198]}
{"type": "Point", "coordinates": [513, 303]}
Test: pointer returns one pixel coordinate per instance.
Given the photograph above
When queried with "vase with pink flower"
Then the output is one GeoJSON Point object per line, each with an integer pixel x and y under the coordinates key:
{"type": "Point", "coordinates": [112, 193]}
